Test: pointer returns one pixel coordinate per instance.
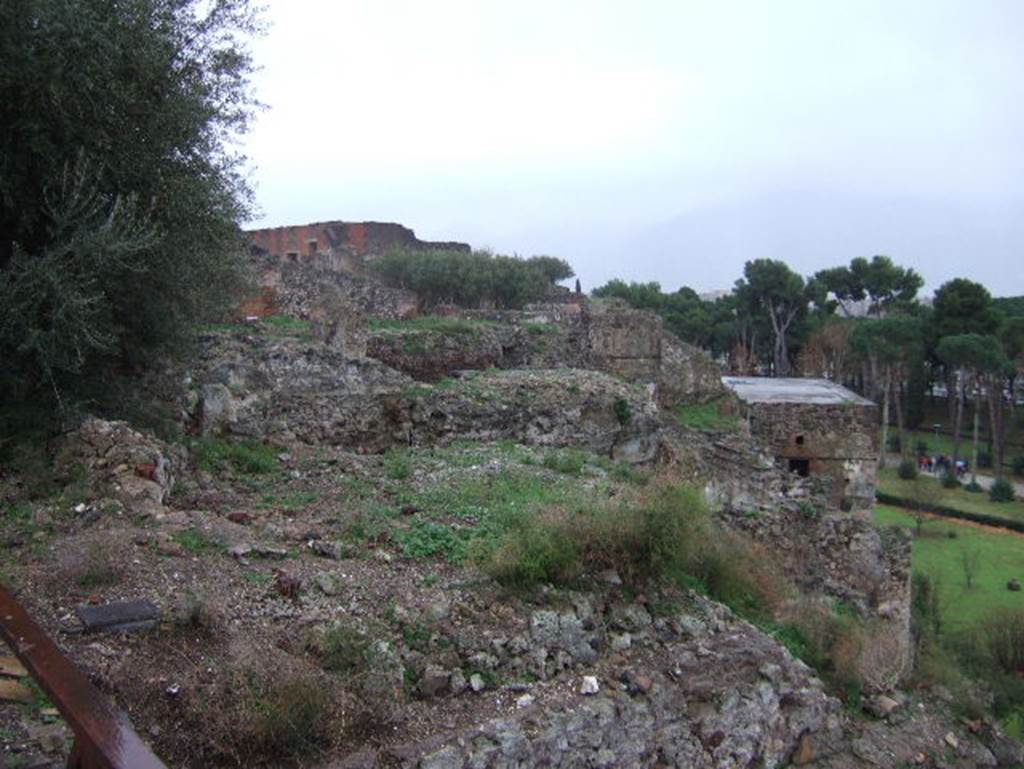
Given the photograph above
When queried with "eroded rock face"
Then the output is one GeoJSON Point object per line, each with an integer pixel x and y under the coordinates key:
{"type": "Point", "coordinates": [570, 407]}
{"type": "Point", "coordinates": [845, 558]}
{"type": "Point", "coordinates": [136, 469]}
{"type": "Point", "coordinates": [252, 386]}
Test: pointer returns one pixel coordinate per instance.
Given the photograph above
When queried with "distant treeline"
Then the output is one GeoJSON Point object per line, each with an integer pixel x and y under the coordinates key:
{"type": "Point", "coordinates": [473, 279]}
{"type": "Point", "coordinates": [860, 324]}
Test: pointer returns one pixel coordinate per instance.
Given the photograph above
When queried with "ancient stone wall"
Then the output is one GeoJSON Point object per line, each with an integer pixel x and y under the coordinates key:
{"type": "Point", "coordinates": [624, 341]}
{"type": "Point", "coordinates": [686, 374]}
{"type": "Point", "coordinates": [293, 264]}
{"type": "Point", "coordinates": [834, 440]}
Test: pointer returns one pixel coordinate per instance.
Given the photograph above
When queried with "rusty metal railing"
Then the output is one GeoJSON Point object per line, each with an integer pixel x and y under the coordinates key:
{"type": "Point", "coordinates": [104, 738]}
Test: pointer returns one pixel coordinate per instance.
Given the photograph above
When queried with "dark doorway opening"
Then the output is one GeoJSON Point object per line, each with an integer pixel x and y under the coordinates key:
{"type": "Point", "coordinates": [801, 467]}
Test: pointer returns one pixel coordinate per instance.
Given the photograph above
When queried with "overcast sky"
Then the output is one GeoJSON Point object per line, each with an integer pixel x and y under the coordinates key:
{"type": "Point", "coordinates": [667, 141]}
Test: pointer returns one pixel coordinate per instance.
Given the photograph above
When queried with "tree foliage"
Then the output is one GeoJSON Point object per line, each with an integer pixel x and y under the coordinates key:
{"type": "Point", "coordinates": [471, 279]}
{"type": "Point", "coordinates": [885, 284]}
{"type": "Point", "coordinates": [770, 287]}
{"type": "Point", "coordinates": [120, 194]}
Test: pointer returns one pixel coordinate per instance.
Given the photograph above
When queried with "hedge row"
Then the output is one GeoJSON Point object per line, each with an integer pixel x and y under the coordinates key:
{"type": "Point", "coordinates": [950, 512]}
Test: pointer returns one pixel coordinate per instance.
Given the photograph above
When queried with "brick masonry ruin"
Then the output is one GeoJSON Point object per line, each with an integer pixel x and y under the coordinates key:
{"type": "Point", "coordinates": [288, 258]}
{"type": "Point", "coordinates": [814, 427]}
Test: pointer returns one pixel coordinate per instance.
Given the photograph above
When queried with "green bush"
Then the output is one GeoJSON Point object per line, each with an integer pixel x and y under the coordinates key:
{"type": "Point", "coordinates": [921, 447]}
{"type": "Point", "coordinates": [893, 443]}
{"type": "Point", "coordinates": [950, 481]}
{"type": "Point", "coordinates": [974, 487]}
{"type": "Point", "coordinates": [470, 279]}
{"type": "Point", "coordinates": [907, 470]}
{"type": "Point", "coordinates": [623, 411]}
{"type": "Point", "coordinates": [984, 459]}
{"type": "Point", "coordinates": [1001, 491]}
{"type": "Point", "coordinates": [1018, 465]}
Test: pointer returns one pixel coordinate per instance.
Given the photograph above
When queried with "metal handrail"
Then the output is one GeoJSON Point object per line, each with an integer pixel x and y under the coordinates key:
{"type": "Point", "coordinates": [104, 738]}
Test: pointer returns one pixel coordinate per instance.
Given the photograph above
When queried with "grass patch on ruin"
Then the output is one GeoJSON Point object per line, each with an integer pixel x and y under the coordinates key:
{"type": "Point", "coordinates": [889, 482]}
{"type": "Point", "coordinates": [248, 457]}
{"type": "Point", "coordinates": [436, 324]}
{"type": "Point", "coordinates": [940, 556]}
{"type": "Point", "coordinates": [707, 416]}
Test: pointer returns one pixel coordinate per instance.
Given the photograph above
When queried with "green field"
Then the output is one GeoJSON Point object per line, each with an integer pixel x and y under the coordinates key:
{"type": "Point", "coordinates": [959, 499]}
{"type": "Point", "coordinates": [1000, 557]}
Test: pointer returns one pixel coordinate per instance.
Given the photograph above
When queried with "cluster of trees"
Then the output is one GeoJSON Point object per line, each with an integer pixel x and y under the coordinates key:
{"type": "Point", "coordinates": [860, 324]}
{"type": "Point", "coordinates": [472, 279]}
{"type": "Point", "coordinates": [120, 191]}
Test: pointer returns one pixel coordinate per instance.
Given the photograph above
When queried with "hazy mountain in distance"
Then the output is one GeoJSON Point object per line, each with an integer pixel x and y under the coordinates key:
{"type": "Point", "coordinates": [706, 248]}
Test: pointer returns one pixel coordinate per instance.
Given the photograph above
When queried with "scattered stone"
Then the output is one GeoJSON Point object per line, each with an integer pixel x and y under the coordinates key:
{"type": "Point", "coordinates": [383, 555]}
{"type": "Point", "coordinates": [438, 610]}
{"type": "Point", "coordinates": [610, 577]}
{"type": "Point", "coordinates": [525, 701]}
{"type": "Point", "coordinates": [263, 551]}
{"type": "Point", "coordinates": [433, 681]}
{"type": "Point", "coordinates": [804, 752]}
{"type": "Point", "coordinates": [334, 550]}
{"type": "Point", "coordinates": [284, 458]}
{"type": "Point", "coordinates": [240, 517]}
{"type": "Point", "coordinates": [240, 551]}
{"type": "Point", "coordinates": [476, 682]}
{"type": "Point", "coordinates": [457, 682]}
{"type": "Point", "coordinates": [590, 685]}
{"type": "Point", "coordinates": [287, 585]}
{"type": "Point", "coordinates": [409, 509]}
{"type": "Point", "coordinates": [118, 617]}
{"type": "Point", "coordinates": [621, 642]}
{"type": "Point", "coordinates": [328, 583]}
{"type": "Point", "coordinates": [951, 740]}
{"type": "Point", "coordinates": [1013, 585]}
{"type": "Point", "coordinates": [881, 706]}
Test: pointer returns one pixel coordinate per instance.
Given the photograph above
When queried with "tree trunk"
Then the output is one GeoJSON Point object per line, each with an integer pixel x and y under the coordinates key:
{"type": "Point", "coordinates": [900, 423]}
{"type": "Point", "coordinates": [997, 424]}
{"type": "Point", "coordinates": [885, 424]}
{"type": "Point", "coordinates": [958, 420]}
{"type": "Point", "coordinates": [974, 445]}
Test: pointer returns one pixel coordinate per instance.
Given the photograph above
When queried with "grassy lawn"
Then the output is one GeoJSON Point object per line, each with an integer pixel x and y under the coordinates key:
{"type": "Point", "coordinates": [969, 502]}
{"type": "Point", "coordinates": [1000, 557]}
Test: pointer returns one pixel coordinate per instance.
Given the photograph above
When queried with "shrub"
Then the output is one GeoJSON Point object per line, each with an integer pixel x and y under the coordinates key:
{"type": "Point", "coordinates": [921, 447]}
{"type": "Point", "coordinates": [661, 533]}
{"type": "Point", "coordinates": [1002, 634]}
{"type": "Point", "coordinates": [926, 611]}
{"type": "Point", "coordinates": [268, 710]}
{"type": "Point", "coordinates": [397, 464]}
{"type": "Point", "coordinates": [974, 487]}
{"type": "Point", "coordinates": [623, 411]}
{"type": "Point", "coordinates": [567, 461]}
{"type": "Point", "coordinates": [1018, 465]}
{"type": "Point", "coordinates": [342, 649]}
{"type": "Point", "coordinates": [950, 481]}
{"type": "Point", "coordinates": [893, 443]}
{"type": "Point", "coordinates": [1001, 491]}
{"type": "Point", "coordinates": [907, 470]}
{"type": "Point", "coordinates": [984, 459]}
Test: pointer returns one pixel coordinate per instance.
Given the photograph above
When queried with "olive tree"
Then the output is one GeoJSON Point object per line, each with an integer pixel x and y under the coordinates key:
{"type": "Point", "coordinates": [120, 190]}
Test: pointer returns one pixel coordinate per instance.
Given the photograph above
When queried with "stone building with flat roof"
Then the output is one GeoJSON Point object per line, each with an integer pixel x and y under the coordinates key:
{"type": "Point", "coordinates": [816, 428]}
